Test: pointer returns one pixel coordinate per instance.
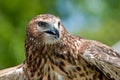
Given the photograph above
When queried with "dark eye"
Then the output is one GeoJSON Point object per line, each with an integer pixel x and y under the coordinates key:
{"type": "Point", "coordinates": [41, 24]}
{"type": "Point", "coordinates": [58, 24]}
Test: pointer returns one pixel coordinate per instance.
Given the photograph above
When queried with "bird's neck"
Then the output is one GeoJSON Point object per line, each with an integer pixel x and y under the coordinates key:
{"type": "Point", "coordinates": [39, 58]}
{"type": "Point", "coordinates": [44, 58]}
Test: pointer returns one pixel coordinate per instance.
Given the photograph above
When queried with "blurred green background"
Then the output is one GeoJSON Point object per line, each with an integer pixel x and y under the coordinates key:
{"type": "Point", "coordinates": [93, 19]}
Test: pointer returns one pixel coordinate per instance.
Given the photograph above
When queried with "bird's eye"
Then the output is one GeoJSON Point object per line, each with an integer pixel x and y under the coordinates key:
{"type": "Point", "coordinates": [41, 24]}
{"type": "Point", "coordinates": [59, 24]}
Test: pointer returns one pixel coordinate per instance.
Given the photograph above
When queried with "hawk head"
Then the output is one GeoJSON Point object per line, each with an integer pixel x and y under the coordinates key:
{"type": "Point", "coordinates": [45, 28]}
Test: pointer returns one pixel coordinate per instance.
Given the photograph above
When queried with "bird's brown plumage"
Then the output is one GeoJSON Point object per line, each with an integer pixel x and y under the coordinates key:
{"type": "Point", "coordinates": [54, 54]}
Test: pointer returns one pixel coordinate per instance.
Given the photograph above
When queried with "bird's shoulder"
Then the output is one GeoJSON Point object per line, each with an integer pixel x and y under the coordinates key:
{"type": "Point", "coordinates": [12, 73]}
{"type": "Point", "coordinates": [102, 56]}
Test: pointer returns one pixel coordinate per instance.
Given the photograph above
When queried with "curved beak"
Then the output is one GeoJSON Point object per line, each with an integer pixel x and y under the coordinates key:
{"type": "Point", "coordinates": [53, 32]}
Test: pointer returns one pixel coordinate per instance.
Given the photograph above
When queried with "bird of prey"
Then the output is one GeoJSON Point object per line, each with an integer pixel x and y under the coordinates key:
{"type": "Point", "coordinates": [52, 53]}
